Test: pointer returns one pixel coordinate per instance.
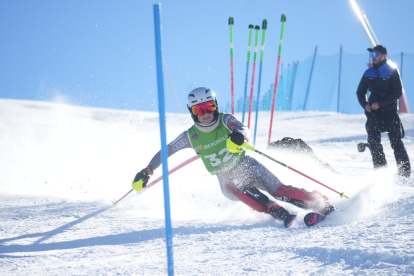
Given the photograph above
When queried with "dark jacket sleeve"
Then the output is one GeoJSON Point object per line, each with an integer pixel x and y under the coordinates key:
{"type": "Point", "coordinates": [233, 124]}
{"type": "Point", "coordinates": [362, 92]}
{"type": "Point", "coordinates": [181, 142]}
{"type": "Point", "coordinates": [396, 90]}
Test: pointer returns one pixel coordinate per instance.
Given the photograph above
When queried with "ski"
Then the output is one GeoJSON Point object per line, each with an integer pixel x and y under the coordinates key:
{"type": "Point", "coordinates": [313, 219]}
{"type": "Point", "coordinates": [289, 220]}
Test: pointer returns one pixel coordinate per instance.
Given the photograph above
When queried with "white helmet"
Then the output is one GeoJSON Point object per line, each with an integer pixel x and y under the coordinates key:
{"type": "Point", "coordinates": [198, 96]}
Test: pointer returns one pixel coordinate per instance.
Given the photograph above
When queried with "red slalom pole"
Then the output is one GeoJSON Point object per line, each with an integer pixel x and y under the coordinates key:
{"type": "Point", "coordinates": [257, 28]}
{"type": "Point", "coordinates": [159, 178]}
{"type": "Point", "coordinates": [277, 75]}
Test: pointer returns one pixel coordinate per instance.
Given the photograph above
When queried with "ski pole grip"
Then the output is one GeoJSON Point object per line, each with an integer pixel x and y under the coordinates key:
{"type": "Point", "coordinates": [249, 147]}
{"type": "Point", "coordinates": [283, 17]}
{"type": "Point", "coordinates": [264, 24]}
{"type": "Point", "coordinates": [251, 26]}
{"type": "Point", "coordinates": [231, 20]}
{"type": "Point", "coordinates": [257, 27]}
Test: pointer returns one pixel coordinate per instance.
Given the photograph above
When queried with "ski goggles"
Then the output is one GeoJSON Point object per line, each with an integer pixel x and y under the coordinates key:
{"type": "Point", "coordinates": [374, 54]}
{"type": "Point", "coordinates": [203, 108]}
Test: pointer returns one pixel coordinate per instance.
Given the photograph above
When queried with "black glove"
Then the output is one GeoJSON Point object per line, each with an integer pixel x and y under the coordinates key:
{"type": "Point", "coordinates": [237, 137]}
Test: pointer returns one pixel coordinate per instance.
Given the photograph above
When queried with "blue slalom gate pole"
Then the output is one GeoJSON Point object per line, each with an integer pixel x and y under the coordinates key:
{"type": "Point", "coordinates": [164, 149]}
{"type": "Point", "coordinates": [264, 27]}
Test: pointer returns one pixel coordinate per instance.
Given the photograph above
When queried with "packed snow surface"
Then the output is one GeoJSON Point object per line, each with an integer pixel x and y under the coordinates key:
{"type": "Point", "coordinates": [62, 165]}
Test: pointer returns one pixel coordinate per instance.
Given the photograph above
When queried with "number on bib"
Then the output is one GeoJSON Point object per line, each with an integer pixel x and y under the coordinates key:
{"type": "Point", "coordinates": [216, 161]}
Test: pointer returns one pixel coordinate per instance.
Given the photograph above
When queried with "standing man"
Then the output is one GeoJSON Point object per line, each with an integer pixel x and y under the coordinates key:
{"type": "Point", "coordinates": [381, 109]}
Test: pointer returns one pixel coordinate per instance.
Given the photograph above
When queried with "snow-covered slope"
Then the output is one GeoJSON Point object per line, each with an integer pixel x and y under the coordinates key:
{"type": "Point", "coordinates": [62, 165]}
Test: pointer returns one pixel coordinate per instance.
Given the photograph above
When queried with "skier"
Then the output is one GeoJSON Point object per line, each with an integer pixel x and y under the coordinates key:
{"type": "Point", "coordinates": [384, 82]}
{"type": "Point", "coordinates": [219, 138]}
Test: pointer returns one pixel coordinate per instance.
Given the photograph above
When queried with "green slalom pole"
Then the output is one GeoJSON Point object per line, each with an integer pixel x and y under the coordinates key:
{"type": "Point", "coordinates": [277, 75]}
{"type": "Point", "coordinates": [231, 23]}
{"type": "Point", "coordinates": [257, 28]}
{"type": "Point", "coordinates": [247, 69]}
{"type": "Point", "coordinates": [249, 147]}
{"type": "Point", "coordinates": [264, 27]}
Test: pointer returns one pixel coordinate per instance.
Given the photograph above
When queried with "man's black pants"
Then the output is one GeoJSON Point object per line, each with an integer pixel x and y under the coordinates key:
{"type": "Point", "coordinates": [389, 121]}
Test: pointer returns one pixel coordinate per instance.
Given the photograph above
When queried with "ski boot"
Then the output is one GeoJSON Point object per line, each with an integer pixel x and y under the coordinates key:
{"type": "Point", "coordinates": [278, 212]}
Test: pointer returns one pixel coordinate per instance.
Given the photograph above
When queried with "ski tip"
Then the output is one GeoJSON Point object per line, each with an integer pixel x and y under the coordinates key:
{"type": "Point", "coordinates": [251, 26]}
{"type": "Point", "coordinates": [283, 17]}
{"type": "Point", "coordinates": [257, 27]}
{"type": "Point", "coordinates": [289, 220]}
{"type": "Point", "coordinates": [313, 219]}
{"type": "Point", "coordinates": [264, 24]}
{"type": "Point", "coordinates": [231, 20]}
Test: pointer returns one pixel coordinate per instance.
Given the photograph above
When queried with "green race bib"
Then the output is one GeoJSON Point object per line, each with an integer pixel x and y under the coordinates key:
{"type": "Point", "coordinates": [212, 147]}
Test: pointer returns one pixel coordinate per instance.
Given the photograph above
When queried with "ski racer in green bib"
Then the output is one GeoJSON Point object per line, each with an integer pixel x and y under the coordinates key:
{"type": "Point", "coordinates": [218, 139]}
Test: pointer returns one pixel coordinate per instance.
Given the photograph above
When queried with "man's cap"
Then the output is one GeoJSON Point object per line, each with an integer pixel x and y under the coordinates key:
{"type": "Point", "coordinates": [378, 48]}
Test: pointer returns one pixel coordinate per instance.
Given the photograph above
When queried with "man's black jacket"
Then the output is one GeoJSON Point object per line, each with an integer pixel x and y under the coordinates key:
{"type": "Point", "coordinates": [385, 85]}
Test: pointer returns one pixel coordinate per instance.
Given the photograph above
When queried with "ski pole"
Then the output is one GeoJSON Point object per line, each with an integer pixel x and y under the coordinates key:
{"type": "Point", "coordinates": [264, 27]}
{"type": "Point", "coordinates": [170, 172]}
{"type": "Point", "coordinates": [271, 158]}
{"type": "Point", "coordinates": [231, 23]}
{"type": "Point", "coordinates": [257, 28]}
{"type": "Point", "coordinates": [114, 203]}
{"type": "Point", "coordinates": [277, 74]}
{"type": "Point", "coordinates": [247, 69]}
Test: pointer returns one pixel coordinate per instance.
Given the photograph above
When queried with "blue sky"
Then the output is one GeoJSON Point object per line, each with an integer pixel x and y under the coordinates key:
{"type": "Point", "coordinates": [101, 53]}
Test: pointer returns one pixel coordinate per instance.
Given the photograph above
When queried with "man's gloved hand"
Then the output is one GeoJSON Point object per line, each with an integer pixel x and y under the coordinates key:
{"type": "Point", "coordinates": [235, 143]}
{"type": "Point", "coordinates": [141, 179]}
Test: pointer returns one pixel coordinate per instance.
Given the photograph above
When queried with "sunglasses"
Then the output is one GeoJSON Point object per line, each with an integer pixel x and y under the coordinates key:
{"type": "Point", "coordinates": [374, 54]}
{"type": "Point", "coordinates": [203, 108]}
